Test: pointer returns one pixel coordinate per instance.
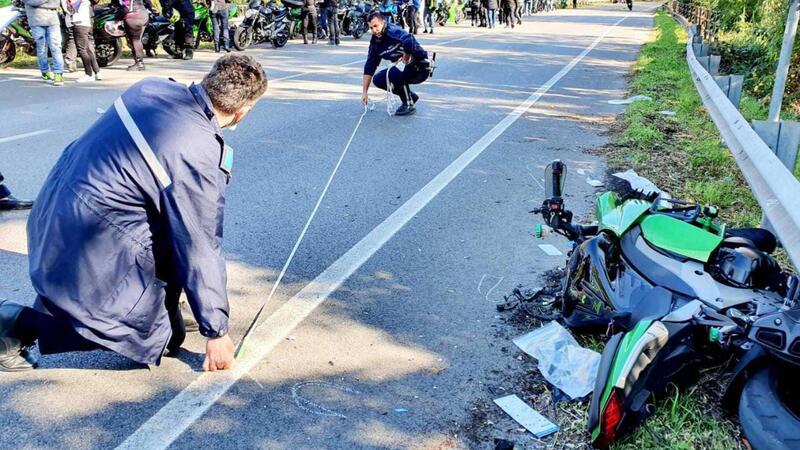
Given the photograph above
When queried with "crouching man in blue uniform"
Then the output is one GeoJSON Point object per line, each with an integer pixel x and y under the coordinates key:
{"type": "Point", "coordinates": [393, 43]}
{"type": "Point", "coordinates": [130, 216]}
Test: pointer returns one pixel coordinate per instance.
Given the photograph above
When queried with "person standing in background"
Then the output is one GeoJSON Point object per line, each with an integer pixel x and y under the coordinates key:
{"type": "Point", "coordinates": [78, 15]}
{"type": "Point", "coordinates": [309, 18]}
{"type": "Point", "coordinates": [219, 21]}
{"type": "Point", "coordinates": [46, 30]}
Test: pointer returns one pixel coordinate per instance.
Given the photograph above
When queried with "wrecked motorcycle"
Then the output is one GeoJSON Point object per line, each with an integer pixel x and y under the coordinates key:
{"type": "Point", "coordinates": [677, 291]}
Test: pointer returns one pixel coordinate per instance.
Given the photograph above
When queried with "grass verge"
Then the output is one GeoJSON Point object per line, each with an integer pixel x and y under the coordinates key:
{"type": "Point", "coordinates": [683, 154]}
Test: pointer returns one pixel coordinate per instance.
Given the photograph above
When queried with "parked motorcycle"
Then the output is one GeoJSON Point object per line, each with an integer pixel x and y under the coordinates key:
{"type": "Point", "coordinates": [14, 35]}
{"type": "Point", "coordinates": [108, 34]}
{"type": "Point", "coordinates": [357, 19]}
{"type": "Point", "coordinates": [450, 12]}
{"type": "Point", "coordinates": [262, 23]}
{"type": "Point", "coordinates": [677, 291]}
{"type": "Point", "coordinates": [159, 31]}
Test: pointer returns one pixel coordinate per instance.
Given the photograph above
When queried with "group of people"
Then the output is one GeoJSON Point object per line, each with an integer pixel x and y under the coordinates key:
{"type": "Point", "coordinates": [44, 22]}
{"type": "Point", "coordinates": [323, 15]}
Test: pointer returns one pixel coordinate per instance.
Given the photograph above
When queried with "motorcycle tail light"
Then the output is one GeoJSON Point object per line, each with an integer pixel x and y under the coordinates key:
{"type": "Point", "coordinates": [609, 421]}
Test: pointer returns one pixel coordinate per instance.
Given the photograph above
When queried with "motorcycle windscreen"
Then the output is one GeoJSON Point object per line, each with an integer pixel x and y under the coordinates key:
{"type": "Point", "coordinates": [679, 237]}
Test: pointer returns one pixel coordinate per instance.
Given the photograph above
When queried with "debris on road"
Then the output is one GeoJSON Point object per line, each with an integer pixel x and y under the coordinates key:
{"type": "Point", "coordinates": [594, 182]}
{"type": "Point", "coordinates": [562, 361]}
{"type": "Point", "coordinates": [400, 410]}
{"type": "Point", "coordinates": [630, 100]}
{"type": "Point", "coordinates": [550, 250]}
{"type": "Point", "coordinates": [528, 417]}
{"type": "Point", "coordinates": [638, 182]}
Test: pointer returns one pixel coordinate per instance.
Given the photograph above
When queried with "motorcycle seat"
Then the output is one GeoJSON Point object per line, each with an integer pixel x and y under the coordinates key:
{"type": "Point", "coordinates": [756, 238]}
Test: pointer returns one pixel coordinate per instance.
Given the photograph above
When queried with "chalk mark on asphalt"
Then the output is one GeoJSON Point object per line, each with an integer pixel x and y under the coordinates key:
{"type": "Point", "coordinates": [494, 286]}
{"type": "Point", "coordinates": [314, 408]}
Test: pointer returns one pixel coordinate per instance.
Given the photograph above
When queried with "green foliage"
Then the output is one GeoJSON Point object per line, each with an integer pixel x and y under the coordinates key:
{"type": "Point", "coordinates": [750, 39]}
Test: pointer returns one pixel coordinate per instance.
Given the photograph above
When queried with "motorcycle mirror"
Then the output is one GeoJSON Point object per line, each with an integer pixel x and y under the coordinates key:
{"type": "Point", "coordinates": [555, 175]}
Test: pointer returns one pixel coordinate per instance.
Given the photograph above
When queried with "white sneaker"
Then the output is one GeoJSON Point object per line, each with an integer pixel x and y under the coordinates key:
{"type": "Point", "coordinates": [85, 79]}
{"type": "Point", "coordinates": [98, 76]}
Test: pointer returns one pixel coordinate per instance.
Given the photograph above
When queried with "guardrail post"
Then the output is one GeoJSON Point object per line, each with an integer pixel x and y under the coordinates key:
{"type": "Point", "coordinates": [710, 63]}
{"type": "Point", "coordinates": [783, 138]}
{"type": "Point", "coordinates": [782, 72]}
{"type": "Point", "coordinates": [732, 86]}
{"type": "Point", "coordinates": [700, 49]}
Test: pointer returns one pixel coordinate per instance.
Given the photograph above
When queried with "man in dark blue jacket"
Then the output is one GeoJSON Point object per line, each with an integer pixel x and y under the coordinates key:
{"type": "Point", "coordinates": [130, 216]}
{"type": "Point", "coordinates": [392, 43]}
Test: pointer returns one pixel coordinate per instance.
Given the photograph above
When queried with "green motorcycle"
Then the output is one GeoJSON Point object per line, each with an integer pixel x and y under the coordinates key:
{"type": "Point", "coordinates": [15, 35]}
{"type": "Point", "coordinates": [675, 291]}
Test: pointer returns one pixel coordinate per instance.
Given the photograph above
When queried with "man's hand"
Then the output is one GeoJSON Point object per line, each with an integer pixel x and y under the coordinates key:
{"type": "Point", "coordinates": [406, 58]}
{"type": "Point", "coordinates": [219, 354]}
{"type": "Point", "coordinates": [365, 99]}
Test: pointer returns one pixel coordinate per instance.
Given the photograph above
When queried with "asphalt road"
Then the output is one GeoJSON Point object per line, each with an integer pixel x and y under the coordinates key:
{"type": "Point", "coordinates": [395, 355]}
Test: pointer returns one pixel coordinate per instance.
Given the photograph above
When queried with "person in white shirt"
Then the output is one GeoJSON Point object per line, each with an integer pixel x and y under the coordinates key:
{"type": "Point", "coordinates": [78, 14]}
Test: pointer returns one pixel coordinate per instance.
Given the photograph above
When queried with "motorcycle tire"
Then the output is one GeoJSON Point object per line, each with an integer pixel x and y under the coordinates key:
{"type": "Point", "coordinates": [8, 51]}
{"type": "Point", "coordinates": [768, 422]}
{"type": "Point", "coordinates": [107, 52]}
{"type": "Point", "coordinates": [357, 33]}
{"type": "Point", "coordinates": [242, 38]}
{"type": "Point", "coordinates": [169, 46]}
{"type": "Point", "coordinates": [280, 41]}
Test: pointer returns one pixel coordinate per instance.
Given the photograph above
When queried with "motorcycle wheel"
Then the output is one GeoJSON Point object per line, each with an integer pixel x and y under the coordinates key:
{"type": "Point", "coordinates": [280, 40]}
{"type": "Point", "coordinates": [8, 51]}
{"type": "Point", "coordinates": [242, 38]}
{"type": "Point", "coordinates": [107, 52]}
{"type": "Point", "coordinates": [769, 410]}
{"type": "Point", "coordinates": [169, 46]}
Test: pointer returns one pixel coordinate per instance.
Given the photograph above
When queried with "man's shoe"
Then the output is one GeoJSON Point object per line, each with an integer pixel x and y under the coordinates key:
{"type": "Point", "coordinates": [337, 41]}
{"type": "Point", "coordinates": [98, 76]}
{"type": "Point", "coordinates": [12, 203]}
{"type": "Point", "coordinates": [14, 357]}
{"type": "Point", "coordinates": [405, 110]}
{"type": "Point", "coordinates": [47, 76]}
{"type": "Point", "coordinates": [58, 80]}
{"type": "Point", "coordinates": [414, 98]}
{"type": "Point", "coordinates": [228, 50]}
{"type": "Point", "coordinates": [138, 66]}
{"type": "Point", "coordinates": [188, 54]}
{"type": "Point", "coordinates": [189, 323]}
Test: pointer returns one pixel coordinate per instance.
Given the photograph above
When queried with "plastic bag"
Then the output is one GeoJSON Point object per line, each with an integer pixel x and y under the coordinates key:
{"type": "Point", "coordinates": [562, 361]}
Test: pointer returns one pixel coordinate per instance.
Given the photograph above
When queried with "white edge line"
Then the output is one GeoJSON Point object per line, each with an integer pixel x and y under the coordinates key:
{"type": "Point", "coordinates": [175, 417]}
{"type": "Point", "coordinates": [24, 135]}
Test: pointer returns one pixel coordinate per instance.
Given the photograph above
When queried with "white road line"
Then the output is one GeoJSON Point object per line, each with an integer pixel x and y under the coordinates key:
{"type": "Point", "coordinates": [163, 428]}
{"type": "Point", "coordinates": [23, 136]}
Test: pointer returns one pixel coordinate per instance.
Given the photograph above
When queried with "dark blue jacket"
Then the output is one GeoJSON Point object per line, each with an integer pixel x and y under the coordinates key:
{"type": "Point", "coordinates": [391, 45]}
{"type": "Point", "coordinates": [111, 227]}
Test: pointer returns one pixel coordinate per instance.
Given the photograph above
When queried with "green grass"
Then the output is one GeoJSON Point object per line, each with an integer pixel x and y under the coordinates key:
{"type": "Point", "coordinates": [684, 155]}
{"type": "Point", "coordinates": [683, 421]}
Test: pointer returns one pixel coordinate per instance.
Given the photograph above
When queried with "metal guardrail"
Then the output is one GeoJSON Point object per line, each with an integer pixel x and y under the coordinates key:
{"type": "Point", "coordinates": [706, 19]}
{"type": "Point", "coordinates": [774, 186]}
